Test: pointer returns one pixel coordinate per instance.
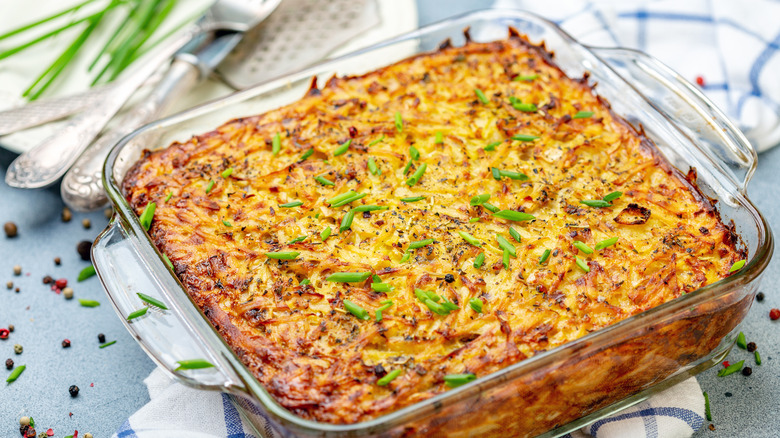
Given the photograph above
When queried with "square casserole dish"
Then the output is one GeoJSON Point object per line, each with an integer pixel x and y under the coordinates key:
{"type": "Point", "coordinates": [549, 394]}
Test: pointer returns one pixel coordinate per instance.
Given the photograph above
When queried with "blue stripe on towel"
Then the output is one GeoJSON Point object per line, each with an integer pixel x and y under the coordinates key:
{"type": "Point", "coordinates": [694, 420]}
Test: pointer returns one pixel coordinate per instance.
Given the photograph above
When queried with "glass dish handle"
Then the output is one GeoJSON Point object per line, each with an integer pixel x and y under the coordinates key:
{"type": "Point", "coordinates": [126, 266]}
{"type": "Point", "coordinates": [686, 106]}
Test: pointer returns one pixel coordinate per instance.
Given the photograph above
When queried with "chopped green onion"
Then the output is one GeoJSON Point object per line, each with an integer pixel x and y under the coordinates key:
{"type": "Point", "coordinates": [140, 312]}
{"type": "Point", "coordinates": [348, 277]}
{"type": "Point", "coordinates": [524, 107]}
{"type": "Point", "coordinates": [193, 364]}
{"type": "Point", "coordinates": [731, 369]}
{"type": "Point", "coordinates": [479, 260]}
{"type": "Point", "coordinates": [612, 196]}
{"type": "Point", "coordinates": [324, 181]}
{"type": "Point", "coordinates": [372, 167]}
{"type": "Point", "coordinates": [525, 77]}
{"type": "Point", "coordinates": [167, 261]}
{"type": "Point", "coordinates": [476, 305]}
{"type": "Point", "coordinates": [356, 310]}
{"type": "Point", "coordinates": [415, 178]}
{"type": "Point", "coordinates": [342, 149]}
{"type": "Point", "coordinates": [582, 247]}
{"type": "Point", "coordinates": [606, 243]}
{"type": "Point", "coordinates": [492, 146]}
{"type": "Point", "coordinates": [581, 264]}
{"type": "Point", "coordinates": [439, 137]}
{"type": "Point", "coordinates": [492, 208]}
{"type": "Point", "coordinates": [407, 167]}
{"type": "Point", "coordinates": [107, 344]}
{"type": "Point", "coordinates": [473, 220]}
{"type": "Point", "coordinates": [595, 203]}
{"type": "Point", "coordinates": [737, 266]}
{"type": "Point", "coordinates": [544, 257]}
{"type": "Point", "coordinates": [505, 259]}
{"type": "Point", "coordinates": [389, 377]}
{"type": "Point", "coordinates": [515, 235]}
{"type": "Point", "coordinates": [524, 137]}
{"type": "Point", "coordinates": [497, 174]}
{"type": "Point", "coordinates": [583, 115]}
{"type": "Point", "coordinates": [152, 301]}
{"type": "Point", "coordinates": [292, 204]}
{"type": "Point", "coordinates": [469, 238]}
{"type": "Point", "coordinates": [480, 199]}
{"type": "Point", "coordinates": [85, 273]}
{"type": "Point", "coordinates": [276, 144]}
{"type": "Point", "coordinates": [741, 342]}
{"type": "Point", "coordinates": [15, 373]}
{"type": "Point", "coordinates": [227, 224]}
{"type": "Point", "coordinates": [363, 208]}
{"type": "Point", "coordinates": [413, 199]}
{"type": "Point", "coordinates": [454, 380]}
{"type": "Point", "coordinates": [227, 172]}
{"type": "Point", "coordinates": [338, 198]}
{"type": "Point", "coordinates": [414, 153]}
{"type": "Point", "coordinates": [283, 255]}
{"type": "Point", "coordinates": [406, 257]}
{"type": "Point", "coordinates": [378, 315]}
{"type": "Point", "coordinates": [346, 222]}
{"type": "Point", "coordinates": [449, 305]}
{"type": "Point", "coordinates": [88, 303]}
{"type": "Point", "coordinates": [298, 239]}
{"type": "Point", "coordinates": [325, 234]}
{"type": "Point", "coordinates": [168, 198]}
{"type": "Point", "coordinates": [512, 215]}
{"type": "Point", "coordinates": [386, 304]}
{"type": "Point", "coordinates": [758, 358]}
{"type": "Point", "coordinates": [399, 122]}
{"type": "Point", "coordinates": [306, 154]}
{"type": "Point", "coordinates": [147, 215]}
{"type": "Point", "coordinates": [209, 186]}
{"type": "Point", "coordinates": [304, 282]}
{"type": "Point", "coordinates": [506, 246]}
{"type": "Point", "coordinates": [436, 307]}
{"type": "Point", "coordinates": [420, 243]}
{"type": "Point", "coordinates": [349, 198]}
{"type": "Point", "coordinates": [707, 412]}
{"type": "Point", "coordinates": [378, 140]}
{"type": "Point", "coordinates": [381, 287]}
{"type": "Point", "coordinates": [481, 96]}
{"type": "Point", "coordinates": [423, 295]}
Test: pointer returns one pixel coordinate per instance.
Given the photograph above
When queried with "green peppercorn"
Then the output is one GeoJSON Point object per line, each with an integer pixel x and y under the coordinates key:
{"type": "Point", "coordinates": [18, 349]}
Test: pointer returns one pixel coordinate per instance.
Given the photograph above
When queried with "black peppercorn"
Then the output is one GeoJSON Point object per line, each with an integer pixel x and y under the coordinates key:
{"type": "Point", "coordinates": [760, 296]}
{"type": "Point", "coordinates": [57, 261]}
{"type": "Point", "coordinates": [10, 229]}
{"type": "Point", "coordinates": [73, 390]}
{"type": "Point", "coordinates": [751, 346]}
{"type": "Point", "coordinates": [101, 338]}
{"type": "Point", "coordinates": [65, 343]}
{"type": "Point", "coordinates": [83, 248]}
{"type": "Point", "coordinates": [449, 278]}
{"type": "Point", "coordinates": [747, 371]}
{"type": "Point", "coordinates": [9, 363]}
{"type": "Point", "coordinates": [48, 280]}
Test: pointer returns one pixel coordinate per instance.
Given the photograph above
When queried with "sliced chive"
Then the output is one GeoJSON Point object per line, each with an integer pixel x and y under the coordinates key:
{"type": "Point", "coordinates": [524, 137]}
{"type": "Point", "coordinates": [298, 239]}
{"type": "Point", "coordinates": [372, 167]}
{"type": "Point", "coordinates": [167, 261]}
{"type": "Point", "coordinates": [407, 167]}
{"type": "Point", "coordinates": [378, 140]}
{"type": "Point", "coordinates": [346, 222]}
{"type": "Point", "coordinates": [515, 235]}
{"type": "Point", "coordinates": [582, 247]}
{"type": "Point", "coordinates": [512, 215]}
{"type": "Point", "coordinates": [449, 305]}
{"type": "Point", "coordinates": [325, 234]}
{"type": "Point", "coordinates": [492, 146]}
{"type": "Point", "coordinates": [356, 310]}
{"type": "Point", "coordinates": [227, 224]}
{"type": "Point", "coordinates": [138, 313]}
{"type": "Point", "coordinates": [85, 273]}
{"type": "Point", "coordinates": [168, 198]}
{"type": "Point", "coordinates": [342, 149]}
{"type": "Point", "coordinates": [147, 215]}
{"type": "Point", "coordinates": [407, 255]}
{"type": "Point", "coordinates": [399, 122]}
{"type": "Point", "coordinates": [338, 198]}
{"type": "Point", "coordinates": [524, 107]}
{"type": "Point", "coordinates": [353, 196]}
{"type": "Point", "coordinates": [306, 154]}
{"type": "Point", "coordinates": [386, 304]}
{"type": "Point", "coordinates": [439, 138]}
{"type": "Point", "coordinates": [525, 77]}
{"type": "Point", "coordinates": [582, 115]}
{"type": "Point", "coordinates": [324, 181]}
{"type": "Point", "coordinates": [741, 342]}
{"type": "Point", "coordinates": [107, 344]}
{"type": "Point", "coordinates": [480, 199]}
{"type": "Point", "coordinates": [415, 178]}
{"type": "Point", "coordinates": [304, 282]}
{"type": "Point", "coordinates": [348, 277]}
{"type": "Point", "coordinates": [420, 243]}
{"type": "Point", "coordinates": [389, 377]}
{"type": "Point", "coordinates": [707, 412]}
{"type": "Point", "coordinates": [423, 295]}
{"type": "Point", "coordinates": [362, 208]}
{"type": "Point", "coordinates": [435, 307]}
{"type": "Point", "coordinates": [544, 257]}
{"type": "Point", "coordinates": [595, 203]}
{"type": "Point", "coordinates": [209, 186]}
{"type": "Point", "coordinates": [378, 315]}
{"type": "Point", "coordinates": [454, 380]}
{"type": "Point", "coordinates": [581, 264]}
{"type": "Point", "coordinates": [152, 301]}
{"type": "Point", "coordinates": [381, 287]}
{"type": "Point", "coordinates": [490, 207]}
{"type": "Point", "coordinates": [479, 260]}
{"type": "Point", "coordinates": [473, 220]}
{"type": "Point", "coordinates": [476, 305]}
{"type": "Point", "coordinates": [506, 246]}
{"type": "Point", "coordinates": [606, 243]}
{"type": "Point", "coordinates": [496, 173]}
{"type": "Point", "coordinates": [88, 303]}
{"type": "Point", "coordinates": [505, 259]}
{"type": "Point", "coordinates": [292, 204]}
{"type": "Point", "coordinates": [469, 238]}
{"type": "Point", "coordinates": [612, 196]}
{"type": "Point", "coordinates": [481, 96]}
{"type": "Point", "coordinates": [414, 153]}
{"type": "Point", "coordinates": [413, 199]}
{"type": "Point", "coordinates": [758, 357]}
{"type": "Point", "coordinates": [731, 369]}
{"type": "Point", "coordinates": [227, 172]}
{"type": "Point", "coordinates": [193, 364]}
{"type": "Point", "coordinates": [737, 266]}
{"type": "Point", "coordinates": [276, 144]}
{"type": "Point", "coordinates": [283, 255]}
{"type": "Point", "coordinates": [15, 373]}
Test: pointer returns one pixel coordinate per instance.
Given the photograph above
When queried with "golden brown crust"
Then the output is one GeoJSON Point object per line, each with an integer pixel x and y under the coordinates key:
{"type": "Point", "coordinates": [322, 362]}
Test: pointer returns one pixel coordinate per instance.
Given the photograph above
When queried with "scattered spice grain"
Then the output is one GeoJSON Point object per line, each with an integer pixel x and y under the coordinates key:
{"type": "Point", "coordinates": [47, 279]}
{"type": "Point", "coordinates": [66, 343]}
{"type": "Point", "coordinates": [68, 293]}
{"type": "Point", "coordinates": [10, 230]}
{"type": "Point", "coordinates": [4, 333]}
{"type": "Point", "coordinates": [11, 328]}
{"type": "Point", "coordinates": [61, 283]}
{"type": "Point", "coordinates": [66, 214]}
{"type": "Point", "coordinates": [751, 347]}
{"type": "Point", "coordinates": [101, 338]}
{"type": "Point", "coordinates": [774, 314]}
{"type": "Point", "coordinates": [83, 248]}
{"type": "Point", "coordinates": [73, 390]}
{"type": "Point", "coordinates": [86, 223]}
{"type": "Point", "coordinates": [9, 363]}
{"type": "Point", "coordinates": [747, 371]}
{"type": "Point", "coordinates": [57, 261]}
{"type": "Point", "coordinates": [17, 270]}
{"type": "Point", "coordinates": [18, 349]}
{"type": "Point", "coordinates": [10, 285]}
{"type": "Point", "coordinates": [760, 297]}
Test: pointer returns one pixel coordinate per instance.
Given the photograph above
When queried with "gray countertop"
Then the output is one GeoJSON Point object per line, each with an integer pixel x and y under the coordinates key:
{"type": "Point", "coordinates": [111, 379]}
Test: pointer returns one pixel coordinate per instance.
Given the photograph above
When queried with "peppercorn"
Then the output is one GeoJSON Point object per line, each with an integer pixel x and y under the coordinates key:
{"type": "Point", "coordinates": [61, 283]}
{"type": "Point", "coordinates": [47, 279]}
{"type": "Point", "coordinates": [449, 278]}
{"type": "Point", "coordinates": [10, 285]}
{"type": "Point", "coordinates": [747, 371]}
{"type": "Point", "coordinates": [101, 338]}
{"type": "Point", "coordinates": [10, 230]}
{"type": "Point", "coordinates": [66, 343]}
{"type": "Point", "coordinates": [4, 333]}
{"type": "Point", "coordinates": [86, 223]}
{"type": "Point", "coordinates": [68, 293]}
{"type": "Point", "coordinates": [45, 434]}
{"type": "Point", "coordinates": [18, 349]}
{"type": "Point", "coordinates": [57, 261]}
{"type": "Point", "coordinates": [17, 290]}
{"type": "Point", "coordinates": [774, 314]}
{"type": "Point", "coordinates": [30, 432]}
{"type": "Point", "coordinates": [73, 390]}
{"type": "Point", "coordinates": [87, 435]}
{"type": "Point", "coordinates": [66, 214]}
{"type": "Point", "coordinates": [760, 297]}
{"type": "Point", "coordinates": [17, 270]}
{"type": "Point", "coordinates": [751, 346]}
{"type": "Point", "coordinates": [9, 363]}
{"type": "Point", "coordinates": [24, 421]}
{"type": "Point", "coordinates": [11, 328]}
{"type": "Point", "coordinates": [83, 248]}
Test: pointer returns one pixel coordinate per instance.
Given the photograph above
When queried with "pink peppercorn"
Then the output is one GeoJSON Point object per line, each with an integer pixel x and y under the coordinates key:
{"type": "Point", "coordinates": [61, 283]}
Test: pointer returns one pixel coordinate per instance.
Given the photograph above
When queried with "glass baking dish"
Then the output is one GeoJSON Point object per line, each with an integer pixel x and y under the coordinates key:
{"type": "Point", "coordinates": [549, 394]}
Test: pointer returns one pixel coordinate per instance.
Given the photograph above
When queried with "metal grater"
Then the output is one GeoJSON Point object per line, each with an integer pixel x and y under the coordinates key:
{"type": "Point", "coordinates": [298, 34]}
